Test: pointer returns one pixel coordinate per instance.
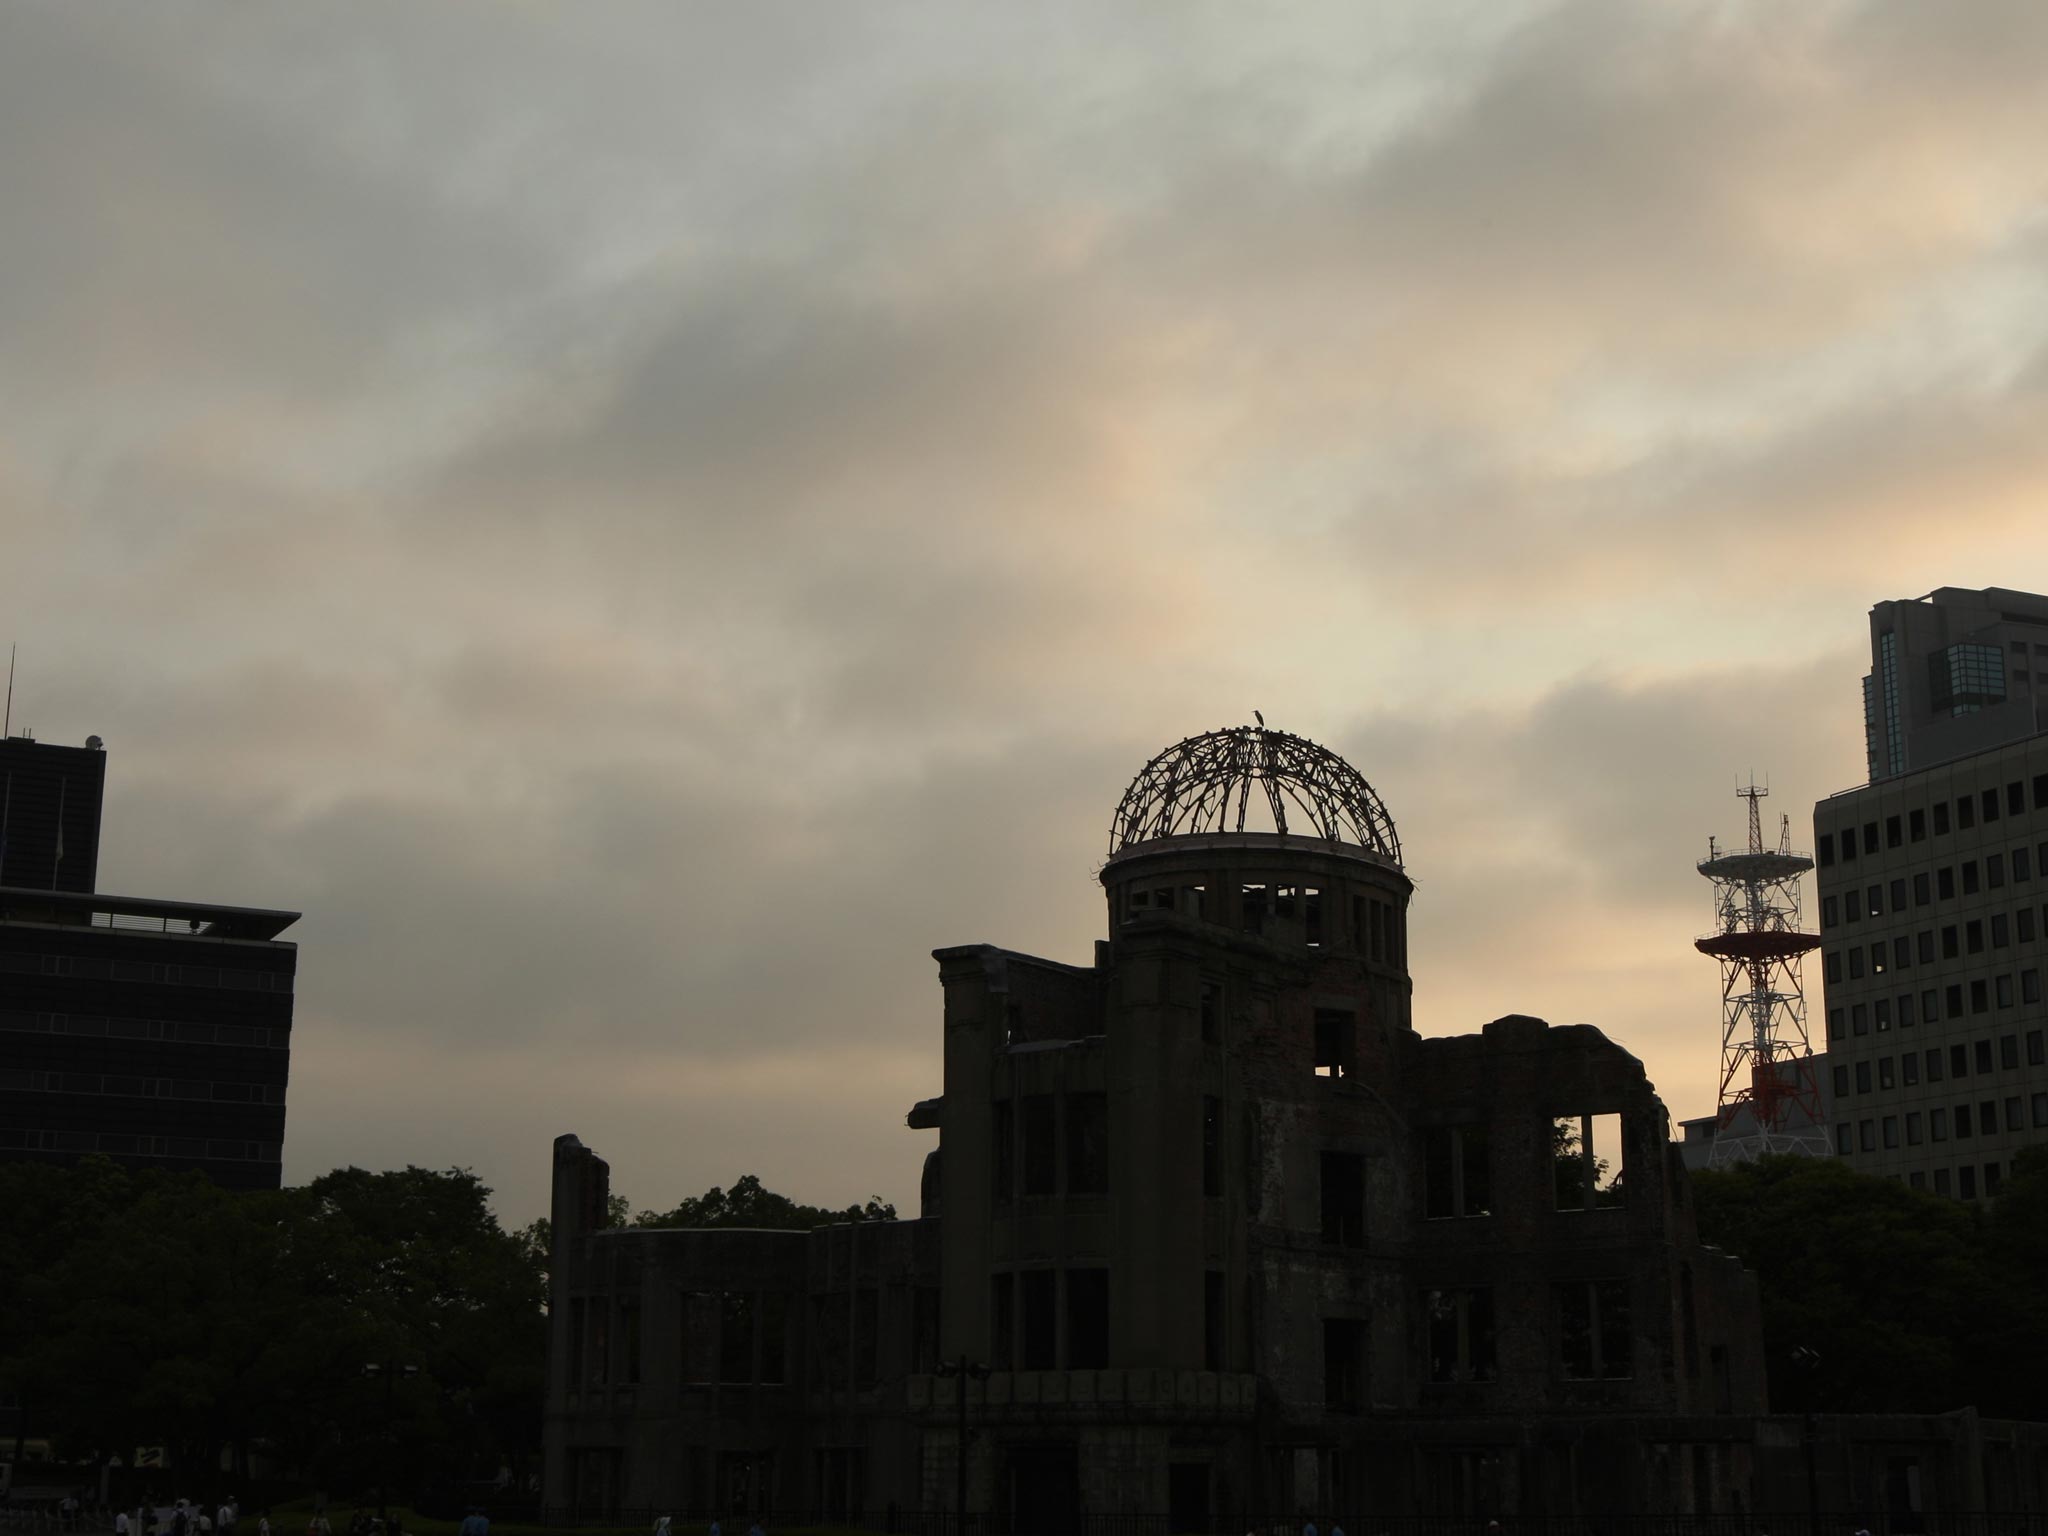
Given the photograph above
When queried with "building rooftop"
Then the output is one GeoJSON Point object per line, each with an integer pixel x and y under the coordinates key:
{"type": "Point", "coordinates": [142, 914]}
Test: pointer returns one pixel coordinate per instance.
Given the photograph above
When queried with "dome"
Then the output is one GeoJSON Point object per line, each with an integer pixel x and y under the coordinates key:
{"type": "Point", "coordinates": [1205, 784]}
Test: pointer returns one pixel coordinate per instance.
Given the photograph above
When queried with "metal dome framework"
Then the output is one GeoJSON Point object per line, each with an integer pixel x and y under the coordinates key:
{"type": "Point", "coordinates": [1205, 784]}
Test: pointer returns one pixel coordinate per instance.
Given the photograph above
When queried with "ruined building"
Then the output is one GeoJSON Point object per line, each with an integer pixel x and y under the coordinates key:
{"type": "Point", "coordinates": [1223, 1232]}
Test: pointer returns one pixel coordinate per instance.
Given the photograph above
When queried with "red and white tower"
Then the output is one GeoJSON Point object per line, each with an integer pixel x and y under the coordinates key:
{"type": "Point", "coordinates": [1770, 1092]}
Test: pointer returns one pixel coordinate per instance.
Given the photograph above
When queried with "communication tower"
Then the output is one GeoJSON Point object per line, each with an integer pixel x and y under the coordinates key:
{"type": "Point", "coordinates": [1770, 1092]}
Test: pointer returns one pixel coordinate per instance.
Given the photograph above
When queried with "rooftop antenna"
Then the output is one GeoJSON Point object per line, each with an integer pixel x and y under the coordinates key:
{"type": "Point", "coordinates": [10, 684]}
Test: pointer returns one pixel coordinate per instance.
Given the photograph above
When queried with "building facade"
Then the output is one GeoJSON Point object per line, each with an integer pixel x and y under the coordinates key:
{"type": "Point", "coordinates": [1933, 916]}
{"type": "Point", "coordinates": [1952, 674]}
{"type": "Point", "coordinates": [155, 1032]}
{"type": "Point", "coordinates": [1210, 1228]}
{"type": "Point", "coordinates": [1933, 885]}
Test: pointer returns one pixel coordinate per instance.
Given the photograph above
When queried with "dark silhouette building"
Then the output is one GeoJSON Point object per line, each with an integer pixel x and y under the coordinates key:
{"type": "Point", "coordinates": [156, 1032]}
{"type": "Point", "coordinates": [1220, 1233]}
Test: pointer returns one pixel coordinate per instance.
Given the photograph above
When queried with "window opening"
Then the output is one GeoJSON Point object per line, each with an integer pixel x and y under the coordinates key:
{"type": "Point", "coordinates": [1588, 1159]}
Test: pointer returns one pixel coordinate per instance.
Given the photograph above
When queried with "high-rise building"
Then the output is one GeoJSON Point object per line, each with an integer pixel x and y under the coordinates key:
{"type": "Point", "coordinates": [50, 814]}
{"type": "Point", "coordinates": [1952, 674]}
{"type": "Point", "coordinates": [156, 1032]}
{"type": "Point", "coordinates": [1933, 882]}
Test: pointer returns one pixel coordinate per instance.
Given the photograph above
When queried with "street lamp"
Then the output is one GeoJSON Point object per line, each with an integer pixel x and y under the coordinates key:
{"type": "Point", "coordinates": [390, 1370]}
{"type": "Point", "coordinates": [962, 1370]}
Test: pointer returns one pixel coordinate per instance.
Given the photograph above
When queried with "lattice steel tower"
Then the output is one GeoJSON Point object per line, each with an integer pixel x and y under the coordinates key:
{"type": "Point", "coordinates": [1770, 1092]}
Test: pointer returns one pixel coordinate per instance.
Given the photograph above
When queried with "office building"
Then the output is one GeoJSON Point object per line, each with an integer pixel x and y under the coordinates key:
{"type": "Point", "coordinates": [1934, 898]}
{"type": "Point", "coordinates": [1952, 674]}
{"type": "Point", "coordinates": [1215, 1231]}
{"type": "Point", "coordinates": [156, 1032]}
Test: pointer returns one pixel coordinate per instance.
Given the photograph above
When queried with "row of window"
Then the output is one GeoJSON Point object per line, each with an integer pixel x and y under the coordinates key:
{"type": "Point", "coordinates": [30, 963]}
{"type": "Point", "coordinates": [1376, 928]}
{"type": "Point", "coordinates": [1594, 1339]}
{"type": "Point", "coordinates": [200, 1090]}
{"type": "Point", "coordinates": [1587, 1163]}
{"type": "Point", "coordinates": [1959, 1056]}
{"type": "Point", "coordinates": [12, 1140]}
{"type": "Point", "coordinates": [1983, 993]}
{"type": "Point", "coordinates": [1961, 1121]}
{"type": "Point", "coordinates": [1937, 885]}
{"type": "Point", "coordinates": [1914, 826]}
{"type": "Point", "coordinates": [2001, 930]}
{"type": "Point", "coordinates": [1964, 1185]}
{"type": "Point", "coordinates": [180, 1031]}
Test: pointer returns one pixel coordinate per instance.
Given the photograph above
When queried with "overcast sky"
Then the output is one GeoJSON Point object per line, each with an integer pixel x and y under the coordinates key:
{"type": "Point", "coordinates": [642, 522]}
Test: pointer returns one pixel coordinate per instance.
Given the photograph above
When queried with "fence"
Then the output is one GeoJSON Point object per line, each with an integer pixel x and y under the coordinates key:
{"type": "Point", "coordinates": [916, 1523]}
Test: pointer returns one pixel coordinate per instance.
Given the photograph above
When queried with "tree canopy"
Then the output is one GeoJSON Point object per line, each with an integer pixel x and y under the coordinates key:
{"type": "Point", "coordinates": [749, 1204]}
{"type": "Point", "coordinates": [1877, 1297]}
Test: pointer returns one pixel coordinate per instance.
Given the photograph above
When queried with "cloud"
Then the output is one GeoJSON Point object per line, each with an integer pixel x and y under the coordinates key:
{"type": "Point", "coordinates": [643, 528]}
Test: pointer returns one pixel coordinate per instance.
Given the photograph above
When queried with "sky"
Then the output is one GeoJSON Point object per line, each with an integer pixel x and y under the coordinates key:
{"type": "Point", "coordinates": [643, 521]}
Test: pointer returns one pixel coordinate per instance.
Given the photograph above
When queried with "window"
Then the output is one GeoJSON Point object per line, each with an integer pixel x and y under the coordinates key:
{"type": "Point", "coordinates": [1334, 1031]}
{"type": "Point", "coordinates": [1003, 1133]}
{"type": "Point", "coordinates": [1841, 1081]}
{"type": "Point", "coordinates": [1595, 1342]}
{"type": "Point", "coordinates": [1002, 1321]}
{"type": "Point", "coordinates": [1087, 1143]}
{"type": "Point", "coordinates": [1212, 1320]}
{"type": "Point", "coordinates": [1087, 1319]}
{"type": "Point", "coordinates": [2040, 1110]}
{"type": "Point", "coordinates": [1212, 1145]}
{"type": "Point", "coordinates": [1973, 936]}
{"type": "Point", "coordinates": [1834, 1023]}
{"type": "Point", "coordinates": [1898, 896]}
{"type": "Point", "coordinates": [1343, 1199]}
{"type": "Point", "coordinates": [1457, 1172]}
{"type": "Point", "coordinates": [1941, 818]}
{"type": "Point", "coordinates": [2001, 931]}
{"type": "Point", "coordinates": [1905, 1010]}
{"type": "Point", "coordinates": [1959, 1062]}
{"type": "Point", "coordinates": [1828, 917]}
{"type": "Point", "coordinates": [1856, 963]}
{"type": "Point", "coordinates": [1921, 889]}
{"type": "Point", "coordinates": [1916, 824]}
{"type": "Point", "coordinates": [1039, 1306]}
{"type": "Point", "coordinates": [1990, 1180]}
{"type": "Point", "coordinates": [1891, 1132]}
{"type": "Point", "coordinates": [1881, 1014]}
{"type": "Point", "coordinates": [2015, 1114]}
{"type": "Point", "coordinates": [1460, 1334]}
{"type": "Point", "coordinates": [1941, 1181]}
{"type": "Point", "coordinates": [1937, 1125]}
{"type": "Point", "coordinates": [1912, 1127]}
{"type": "Point", "coordinates": [1877, 958]}
{"type": "Point", "coordinates": [736, 1338]}
{"type": "Point", "coordinates": [1866, 1135]}
{"type": "Point", "coordinates": [1040, 1156]}
{"type": "Point", "coordinates": [1831, 965]}
{"type": "Point", "coordinates": [1945, 882]}
{"type": "Point", "coordinates": [1994, 871]}
{"type": "Point", "coordinates": [1916, 1179]}
{"type": "Point", "coordinates": [1870, 837]}
{"type": "Point", "coordinates": [1875, 896]}
{"type": "Point", "coordinates": [1894, 832]}
{"type": "Point", "coordinates": [1909, 1069]}
{"type": "Point", "coordinates": [1251, 908]}
{"type": "Point", "coordinates": [1212, 1010]}
{"type": "Point", "coordinates": [1952, 999]}
{"type": "Point", "coordinates": [2034, 1041]}
{"type": "Point", "coordinates": [2022, 865]}
{"type": "Point", "coordinates": [1924, 943]}
{"type": "Point", "coordinates": [1824, 849]}
{"type": "Point", "coordinates": [1983, 1054]}
{"type": "Point", "coordinates": [1962, 1122]}
{"type": "Point", "coordinates": [1343, 1363]}
{"type": "Point", "coordinates": [1848, 844]}
{"type": "Point", "coordinates": [2023, 925]}
{"type": "Point", "coordinates": [1884, 1072]}
{"type": "Point", "coordinates": [1863, 1077]}
{"type": "Point", "coordinates": [1966, 1182]}
{"type": "Point", "coordinates": [1990, 799]}
{"type": "Point", "coordinates": [1587, 1161]}
{"type": "Point", "coordinates": [1845, 1138]}
{"type": "Point", "coordinates": [1951, 945]}
{"type": "Point", "coordinates": [1929, 1012]}
{"type": "Point", "coordinates": [2004, 992]}
{"type": "Point", "coordinates": [1859, 1019]}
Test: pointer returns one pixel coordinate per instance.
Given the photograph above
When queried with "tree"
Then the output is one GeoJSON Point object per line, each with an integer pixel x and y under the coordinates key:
{"type": "Point", "coordinates": [749, 1204]}
{"type": "Point", "coordinates": [1906, 1304]}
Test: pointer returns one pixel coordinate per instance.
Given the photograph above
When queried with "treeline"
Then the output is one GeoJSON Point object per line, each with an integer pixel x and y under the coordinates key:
{"type": "Point", "coordinates": [151, 1308]}
{"type": "Point", "coordinates": [1880, 1298]}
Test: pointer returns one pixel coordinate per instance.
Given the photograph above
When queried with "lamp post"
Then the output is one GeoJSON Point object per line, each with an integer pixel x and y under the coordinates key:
{"type": "Point", "coordinates": [962, 1370]}
{"type": "Point", "coordinates": [390, 1370]}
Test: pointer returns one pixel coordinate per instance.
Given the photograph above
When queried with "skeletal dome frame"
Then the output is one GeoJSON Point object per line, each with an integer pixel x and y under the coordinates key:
{"type": "Point", "coordinates": [1204, 784]}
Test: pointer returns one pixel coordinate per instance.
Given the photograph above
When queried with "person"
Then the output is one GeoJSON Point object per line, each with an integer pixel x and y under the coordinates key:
{"type": "Point", "coordinates": [121, 1524]}
{"type": "Point", "coordinates": [263, 1523]}
{"type": "Point", "coordinates": [181, 1520]}
{"type": "Point", "coordinates": [755, 1530]}
{"type": "Point", "coordinates": [475, 1523]}
{"type": "Point", "coordinates": [224, 1521]}
{"type": "Point", "coordinates": [1308, 1528]}
{"type": "Point", "coordinates": [714, 1529]}
{"type": "Point", "coordinates": [205, 1523]}
{"type": "Point", "coordinates": [318, 1525]}
{"type": "Point", "coordinates": [661, 1526]}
